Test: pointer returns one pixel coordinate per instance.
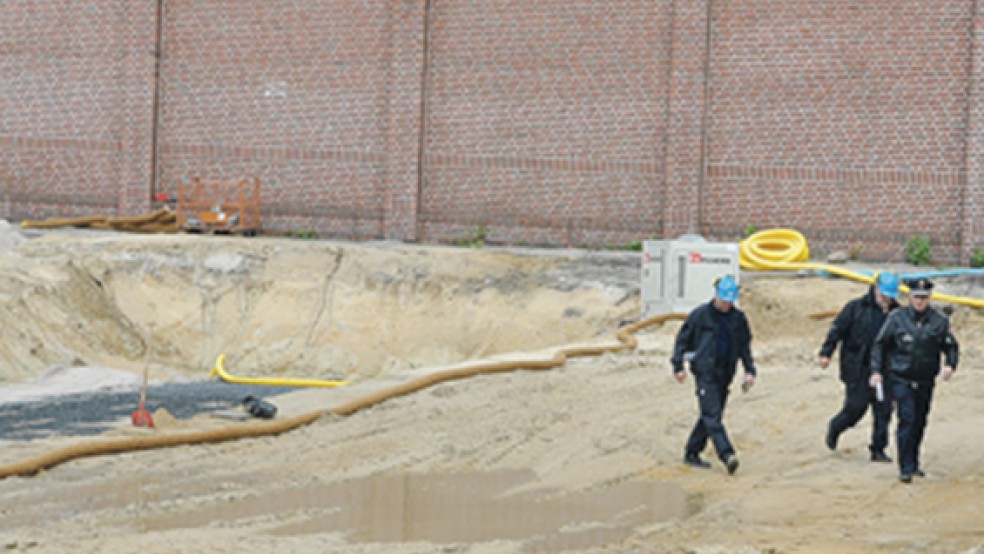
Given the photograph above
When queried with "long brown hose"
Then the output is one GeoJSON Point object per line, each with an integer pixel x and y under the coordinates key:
{"type": "Point", "coordinates": [159, 221]}
{"type": "Point", "coordinates": [33, 465]}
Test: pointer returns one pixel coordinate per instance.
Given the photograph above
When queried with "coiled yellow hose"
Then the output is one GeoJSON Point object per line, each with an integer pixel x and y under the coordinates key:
{"type": "Point", "coordinates": [773, 249]}
{"type": "Point", "coordinates": [787, 250]}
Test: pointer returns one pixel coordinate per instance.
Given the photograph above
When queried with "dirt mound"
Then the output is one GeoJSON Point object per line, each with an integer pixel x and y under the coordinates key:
{"type": "Point", "coordinates": [280, 307]}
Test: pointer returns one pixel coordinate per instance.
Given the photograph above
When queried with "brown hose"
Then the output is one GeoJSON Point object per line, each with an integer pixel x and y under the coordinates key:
{"type": "Point", "coordinates": [98, 447]}
{"type": "Point", "coordinates": [624, 335]}
{"type": "Point", "coordinates": [817, 316]}
{"type": "Point", "coordinates": [33, 465]}
{"type": "Point", "coordinates": [159, 221]}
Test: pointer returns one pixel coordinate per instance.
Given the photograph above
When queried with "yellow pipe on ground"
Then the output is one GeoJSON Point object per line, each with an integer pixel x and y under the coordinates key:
{"type": "Point", "coordinates": [220, 371]}
{"type": "Point", "coordinates": [101, 447]}
{"type": "Point", "coordinates": [787, 250]}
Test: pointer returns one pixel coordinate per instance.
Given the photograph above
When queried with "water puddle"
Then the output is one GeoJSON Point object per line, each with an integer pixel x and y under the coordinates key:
{"type": "Point", "coordinates": [449, 508]}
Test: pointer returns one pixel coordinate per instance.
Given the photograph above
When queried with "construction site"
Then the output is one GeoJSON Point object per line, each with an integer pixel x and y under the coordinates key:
{"type": "Point", "coordinates": [405, 277]}
{"type": "Point", "coordinates": [483, 400]}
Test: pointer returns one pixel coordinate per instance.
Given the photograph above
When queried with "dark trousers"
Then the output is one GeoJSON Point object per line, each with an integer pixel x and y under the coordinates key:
{"type": "Point", "coordinates": [913, 402]}
{"type": "Point", "coordinates": [858, 397]}
{"type": "Point", "coordinates": [711, 398]}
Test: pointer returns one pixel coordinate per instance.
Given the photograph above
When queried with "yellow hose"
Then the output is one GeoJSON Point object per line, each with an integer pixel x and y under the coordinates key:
{"type": "Point", "coordinates": [101, 447]}
{"type": "Point", "coordinates": [787, 250]}
{"type": "Point", "coordinates": [220, 370]}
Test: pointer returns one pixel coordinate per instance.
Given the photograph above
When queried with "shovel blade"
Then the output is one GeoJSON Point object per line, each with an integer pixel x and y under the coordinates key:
{"type": "Point", "coordinates": [142, 418]}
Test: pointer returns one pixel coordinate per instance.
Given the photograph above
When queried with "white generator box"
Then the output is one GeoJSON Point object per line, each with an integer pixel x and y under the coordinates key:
{"type": "Point", "coordinates": [678, 275]}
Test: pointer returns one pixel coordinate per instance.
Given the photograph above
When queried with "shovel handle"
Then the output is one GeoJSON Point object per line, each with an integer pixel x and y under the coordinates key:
{"type": "Point", "coordinates": [143, 388]}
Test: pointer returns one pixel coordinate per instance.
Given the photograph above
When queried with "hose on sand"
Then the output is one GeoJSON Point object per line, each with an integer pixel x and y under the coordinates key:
{"type": "Point", "coordinates": [220, 371]}
{"type": "Point", "coordinates": [32, 466]}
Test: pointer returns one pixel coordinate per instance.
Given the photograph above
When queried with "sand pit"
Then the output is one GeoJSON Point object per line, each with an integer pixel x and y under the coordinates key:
{"type": "Point", "coordinates": [583, 457]}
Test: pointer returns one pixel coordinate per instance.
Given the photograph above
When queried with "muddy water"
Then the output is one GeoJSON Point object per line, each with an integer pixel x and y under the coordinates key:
{"type": "Point", "coordinates": [447, 508]}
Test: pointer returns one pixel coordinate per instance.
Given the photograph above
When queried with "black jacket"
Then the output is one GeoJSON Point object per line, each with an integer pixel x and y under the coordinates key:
{"type": "Point", "coordinates": [910, 346]}
{"type": "Point", "coordinates": [699, 335]}
{"type": "Point", "coordinates": [855, 328]}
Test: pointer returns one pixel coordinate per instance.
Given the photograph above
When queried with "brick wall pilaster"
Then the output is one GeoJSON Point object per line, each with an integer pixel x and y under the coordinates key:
{"type": "Point", "coordinates": [971, 226]}
{"type": "Point", "coordinates": [684, 139]}
{"type": "Point", "coordinates": [136, 91]}
{"type": "Point", "coordinates": [403, 122]}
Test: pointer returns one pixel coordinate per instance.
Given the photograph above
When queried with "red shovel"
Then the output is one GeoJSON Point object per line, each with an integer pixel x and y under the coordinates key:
{"type": "Point", "coordinates": [141, 417]}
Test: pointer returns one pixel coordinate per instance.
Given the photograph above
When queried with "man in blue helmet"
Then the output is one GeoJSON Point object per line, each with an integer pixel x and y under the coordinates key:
{"type": "Point", "coordinates": [714, 337]}
{"type": "Point", "coordinates": [906, 358]}
{"type": "Point", "coordinates": [855, 329]}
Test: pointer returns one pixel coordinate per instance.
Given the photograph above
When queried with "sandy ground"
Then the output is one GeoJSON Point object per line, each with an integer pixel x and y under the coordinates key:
{"type": "Point", "coordinates": [581, 457]}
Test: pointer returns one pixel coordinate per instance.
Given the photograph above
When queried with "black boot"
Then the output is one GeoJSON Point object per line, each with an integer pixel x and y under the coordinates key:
{"type": "Point", "coordinates": [694, 460]}
{"type": "Point", "coordinates": [831, 439]}
{"type": "Point", "coordinates": [880, 456]}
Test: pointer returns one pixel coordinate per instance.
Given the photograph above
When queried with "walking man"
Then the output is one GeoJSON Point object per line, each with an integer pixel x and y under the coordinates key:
{"type": "Point", "coordinates": [906, 358]}
{"type": "Point", "coordinates": [855, 329]}
{"type": "Point", "coordinates": [714, 337]}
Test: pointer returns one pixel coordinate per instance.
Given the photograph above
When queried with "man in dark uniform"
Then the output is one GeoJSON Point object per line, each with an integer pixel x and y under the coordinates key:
{"type": "Point", "coordinates": [906, 358]}
{"type": "Point", "coordinates": [855, 329]}
{"type": "Point", "coordinates": [714, 336]}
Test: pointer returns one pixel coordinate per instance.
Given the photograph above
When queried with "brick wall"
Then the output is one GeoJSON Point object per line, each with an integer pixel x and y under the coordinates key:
{"type": "Point", "coordinates": [972, 211]}
{"type": "Point", "coordinates": [76, 105]}
{"type": "Point", "coordinates": [545, 125]}
{"type": "Point", "coordinates": [560, 122]}
{"type": "Point", "coordinates": [845, 120]}
{"type": "Point", "coordinates": [314, 98]}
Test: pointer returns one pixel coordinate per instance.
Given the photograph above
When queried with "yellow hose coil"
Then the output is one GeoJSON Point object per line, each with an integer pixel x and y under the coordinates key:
{"type": "Point", "coordinates": [787, 250]}
{"type": "Point", "coordinates": [772, 248]}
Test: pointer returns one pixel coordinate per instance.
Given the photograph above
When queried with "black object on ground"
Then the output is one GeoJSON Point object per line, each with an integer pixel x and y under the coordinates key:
{"type": "Point", "coordinates": [257, 407]}
{"type": "Point", "coordinates": [94, 413]}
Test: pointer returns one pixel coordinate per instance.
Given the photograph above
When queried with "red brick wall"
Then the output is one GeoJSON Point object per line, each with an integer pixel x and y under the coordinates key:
{"type": "Point", "coordinates": [686, 114]}
{"type": "Point", "coordinates": [313, 98]}
{"type": "Point", "coordinates": [844, 120]}
{"type": "Point", "coordinates": [545, 120]}
{"type": "Point", "coordinates": [563, 122]}
{"type": "Point", "coordinates": [76, 105]}
{"type": "Point", "coordinates": [972, 211]}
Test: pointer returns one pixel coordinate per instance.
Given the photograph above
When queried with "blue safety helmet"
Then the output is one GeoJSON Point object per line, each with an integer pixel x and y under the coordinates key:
{"type": "Point", "coordinates": [726, 288]}
{"type": "Point", "coordinates": [887, 284]}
